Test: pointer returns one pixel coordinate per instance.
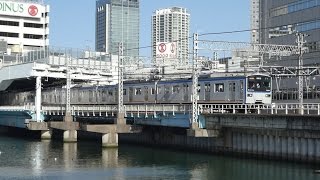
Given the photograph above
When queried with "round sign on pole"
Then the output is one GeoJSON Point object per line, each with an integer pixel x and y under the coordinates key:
{"type": "Point", "coordinates": [162, 47]}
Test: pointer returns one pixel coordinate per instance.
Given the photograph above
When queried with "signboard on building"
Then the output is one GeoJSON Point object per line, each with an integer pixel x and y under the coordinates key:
{"type": "Point", "coordinates": [166, 50]}
{"type": "Point", "coordinates": [11, 8]}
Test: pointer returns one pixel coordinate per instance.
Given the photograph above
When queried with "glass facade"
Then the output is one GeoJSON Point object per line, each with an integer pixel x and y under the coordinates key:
{"type": "Point", "coordinates": [293, 28]}
{"type": "Point", "coordinates": [118, 21]}
{"type": "Point", "coordinates": [294, 7]}
{"type": "Point", "coordinates": [281, 20]}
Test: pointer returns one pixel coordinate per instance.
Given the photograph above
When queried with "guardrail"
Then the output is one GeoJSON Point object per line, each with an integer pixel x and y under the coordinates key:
{"type": "Point", "coordinates": [278, 109]}
{"type": "Point", "coordinates": [26, 107]}
{"type": "Point", "coordinates": [156, 109]}
{"type": "Point", "coordinates": [111, 110]}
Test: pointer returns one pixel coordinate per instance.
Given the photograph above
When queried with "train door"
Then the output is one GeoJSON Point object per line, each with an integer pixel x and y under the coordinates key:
{"type": "Point", "coordinates": [185, 92]}
{"type": "Point", "coordinates": [207, 90]}
{"type": "Point", "coordinates": [146, 94]}
{"type": "Point", "coordinates": [130, 94]}
{"type": "Point", "coordinates": [232, 91]}
{"type": "Point", "coordinates": [241, 90]}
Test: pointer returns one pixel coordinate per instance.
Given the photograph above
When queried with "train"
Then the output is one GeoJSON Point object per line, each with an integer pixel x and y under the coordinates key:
{"type": "Point", "coordinates": [249, 89]}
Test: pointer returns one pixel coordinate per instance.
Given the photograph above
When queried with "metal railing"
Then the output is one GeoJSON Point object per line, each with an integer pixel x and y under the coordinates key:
{"type": "Point", "coordinates": [111, 110]}
{"type": "Point", "coordinates": [276, 109]}
{"type": "Point", "coordinates": [163, 109]}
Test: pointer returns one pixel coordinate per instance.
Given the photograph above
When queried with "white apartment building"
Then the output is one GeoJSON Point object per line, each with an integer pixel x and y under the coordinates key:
{"type": "Point", "coordinates": [171, 25]}
{"type": "Point", "coordinates": [24, 24]}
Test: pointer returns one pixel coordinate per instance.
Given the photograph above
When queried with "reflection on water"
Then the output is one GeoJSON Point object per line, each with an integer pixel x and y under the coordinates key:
{"type": "Point", "coordinates": [25, 159]}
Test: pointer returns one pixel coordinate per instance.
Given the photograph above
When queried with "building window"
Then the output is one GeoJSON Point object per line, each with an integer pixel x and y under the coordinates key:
{"type": "Point", "coordinates": [33, 25]}
{"type": "Point", "coordinates": [9, 23]}
{"type": "Point", "coordinates": [32, 36]}
{"type": "Point", "coordinates": [294, 7]}
{"type": "Point", "coordinates": [7, 34]}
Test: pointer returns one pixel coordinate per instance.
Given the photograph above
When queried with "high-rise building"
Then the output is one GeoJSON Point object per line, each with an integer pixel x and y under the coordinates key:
{"type": "Point", "coordinates": [117, 21]}
{"type": "Point", "coordinates": [279, 23]}
{"type": "Point", "coordinates": [281, 20]}
{"type": "Point", "coordinates": [24, 24]}
{"type": "Point", "coordinates": [171, 25]}
{"type": "Point", "coordinates": [255, 26]}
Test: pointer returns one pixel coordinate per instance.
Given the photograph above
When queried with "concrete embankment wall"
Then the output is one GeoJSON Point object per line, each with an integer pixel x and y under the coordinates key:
{"type": "Point", "coordinates": [285, 138]}
{"type": "Point", "coordinates": [173, 138]}
{"type": "Point", "coordinates": [275, 144]}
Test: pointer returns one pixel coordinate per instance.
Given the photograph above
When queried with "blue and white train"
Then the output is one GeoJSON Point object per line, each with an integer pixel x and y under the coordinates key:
{"type": "Point", "coordinates": [252, 89]}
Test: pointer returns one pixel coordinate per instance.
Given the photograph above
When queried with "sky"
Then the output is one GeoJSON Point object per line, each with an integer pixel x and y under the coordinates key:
{"type": "Point", "coordinates": [72, 22]}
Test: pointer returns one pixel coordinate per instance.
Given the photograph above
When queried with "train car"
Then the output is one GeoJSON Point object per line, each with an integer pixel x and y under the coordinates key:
{"type": "Point", "coordinates": [252, 89]}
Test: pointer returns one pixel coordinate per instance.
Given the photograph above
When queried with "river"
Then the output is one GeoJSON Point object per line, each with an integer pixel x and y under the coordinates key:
{"type": "Point", "coordinates": [31, 159]}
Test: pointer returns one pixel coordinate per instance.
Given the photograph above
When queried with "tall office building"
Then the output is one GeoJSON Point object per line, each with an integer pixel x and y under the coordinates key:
{"type": "Point", "coordinates": [279, 23]}
{"type": "Point", "coordinates": [117, 21]}
{"type": "Point", "coordinates": [171, 25]}
{"type": "Point", "coordinates": [281, 20]}
{"type": "Point", "coordinates": [24, 24]}
{"type": "Point", "coordinates": [255, 26]}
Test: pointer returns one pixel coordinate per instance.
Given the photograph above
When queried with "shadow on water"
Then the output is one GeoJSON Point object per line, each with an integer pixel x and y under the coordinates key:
{"type": "Point", "coordinates": [26, 159]}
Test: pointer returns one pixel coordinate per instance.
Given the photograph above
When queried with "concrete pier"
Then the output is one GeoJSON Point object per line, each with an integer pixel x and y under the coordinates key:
{"type": "Point", "coordinates": [69, 128]}
{"type": "Point", "coordinates": [46, 134]}
{"type": "Point", "coordinates": [70, 136]}
{"type": "Point", "coordinates": [110, 140]}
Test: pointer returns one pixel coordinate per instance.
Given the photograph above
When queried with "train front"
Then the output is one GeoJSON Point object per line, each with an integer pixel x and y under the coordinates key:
{"type": "Point", "coordinates": [258, 89]}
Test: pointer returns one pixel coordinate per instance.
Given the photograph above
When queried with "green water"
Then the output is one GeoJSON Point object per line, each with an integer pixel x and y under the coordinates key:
{"type": "Point", "coordinates": [29, 159]}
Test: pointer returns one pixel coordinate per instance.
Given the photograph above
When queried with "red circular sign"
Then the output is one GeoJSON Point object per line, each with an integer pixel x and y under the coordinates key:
{"type": "Point", "coordinates": [162, 47]}
{"type": "Point", "coordinates": [33, 10]}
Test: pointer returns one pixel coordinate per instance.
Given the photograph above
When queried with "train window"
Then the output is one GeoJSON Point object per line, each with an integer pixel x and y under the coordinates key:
{"type": "Point", "coordinates": [138, 91]}
{"type": "Point", "coordinates": [219, 87]}
{"type": "Point", "coordinates": [207, 87]}
{"type": "Point", "coordinates": [166, 90]}
{"type": "Point", "coordinates": [153, 91]}
{"type": "Point", "coordinates": [110, 93]}
{"type": "Point", "coordinates": [124, 92]}
{"type": "Point", "coordinates": [159, 90]}
{"type": "Point", "coordinates": [90, 96]}
{"type": "Point", "coordinates": [104, 95]}
{"type": "Point", "coordinates": [176, 89]}
{"type": "Point", "coordinates": [241, 85]}
{"type": "Point", "coordinates": [199, 88]}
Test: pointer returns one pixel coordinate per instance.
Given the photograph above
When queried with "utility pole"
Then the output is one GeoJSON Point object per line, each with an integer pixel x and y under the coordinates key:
{"type": "Point", "coordinates": [300, 42]}
{"type": "Point", "coordinates": [120, 119]}
{"type": "Point", "coordinates": [68, 117]}
{"type": "Point", "coordinates": [195, 75]}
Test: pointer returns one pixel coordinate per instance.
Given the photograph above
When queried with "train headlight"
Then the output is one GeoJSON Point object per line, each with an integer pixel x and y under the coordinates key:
{"type": "Point", "coordinates": [268, 95]}
{"type": "Point", "coordinates": [250, 95]}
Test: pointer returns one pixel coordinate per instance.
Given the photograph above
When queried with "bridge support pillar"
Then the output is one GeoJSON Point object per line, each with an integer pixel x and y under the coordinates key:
{"type": "Point", "coordinates": [68, 118]}
{"type": "Point", "coordinates": [120, 119]}
{"type": "Point", "coordinates": [46, 135]}
{"type": "Point", "coordinates": [110, 140]}
{"type": "Point", "coordinates": [70, 136]}
{"type": "Point", "coordinates": [194, 126]}
{"type": "Point", "coordinates": [38, 99]}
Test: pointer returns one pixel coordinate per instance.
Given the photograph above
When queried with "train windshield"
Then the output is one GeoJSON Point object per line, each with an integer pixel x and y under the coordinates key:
{"type": "Point", "coordinates": [258, 83]}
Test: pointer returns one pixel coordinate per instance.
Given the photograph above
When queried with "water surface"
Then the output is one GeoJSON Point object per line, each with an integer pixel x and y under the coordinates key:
{"type": "Point", "coordinates": [30, 159]}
